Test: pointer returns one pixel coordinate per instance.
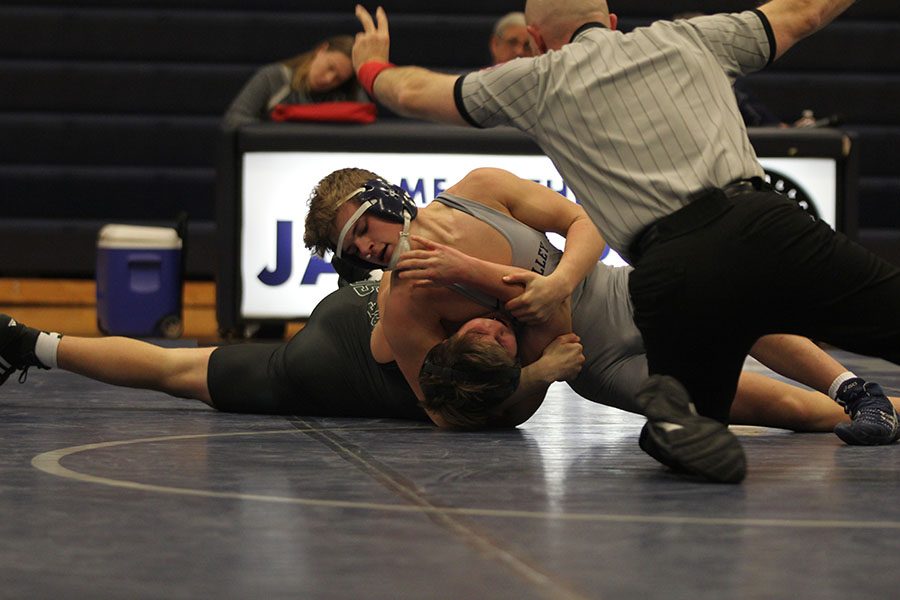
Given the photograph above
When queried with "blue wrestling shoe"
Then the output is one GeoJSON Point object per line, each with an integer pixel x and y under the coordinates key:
{"type": "Point", "coordinates": [873, 418]}
{"type": "Point", "coordinates": [17, 344]}
{"type": "Point", "coordinates": [684, 441]}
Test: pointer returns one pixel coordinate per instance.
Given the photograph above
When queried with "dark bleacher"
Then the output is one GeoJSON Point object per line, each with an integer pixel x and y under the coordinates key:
{"type": "Point", "coordinates": [109, 109]}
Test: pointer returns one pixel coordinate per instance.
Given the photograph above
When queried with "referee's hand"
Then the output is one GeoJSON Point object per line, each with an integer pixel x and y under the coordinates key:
{"type": "Point", "coordinates": [374, 41]}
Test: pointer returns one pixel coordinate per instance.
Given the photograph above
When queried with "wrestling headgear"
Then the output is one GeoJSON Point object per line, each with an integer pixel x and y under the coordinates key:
{"type": "Point", "coordinates": [388, 202]}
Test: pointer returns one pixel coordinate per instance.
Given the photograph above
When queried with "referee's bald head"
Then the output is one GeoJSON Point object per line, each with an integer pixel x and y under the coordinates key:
{"type": "Point", "coordinates": [554, 21]}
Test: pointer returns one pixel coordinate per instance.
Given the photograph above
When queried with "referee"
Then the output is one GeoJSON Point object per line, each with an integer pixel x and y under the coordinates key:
{"type": "Point", "coordinates": [644, 127]}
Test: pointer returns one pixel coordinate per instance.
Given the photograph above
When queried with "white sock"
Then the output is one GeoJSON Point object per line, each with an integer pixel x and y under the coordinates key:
{"type": "Point", "coordinates": [45, 348]}
{"type": "Point", "coordinates": [833, 389]}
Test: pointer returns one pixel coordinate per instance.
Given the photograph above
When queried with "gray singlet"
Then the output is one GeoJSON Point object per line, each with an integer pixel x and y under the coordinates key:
{"type": "Point", "coordinates": [601, 309]}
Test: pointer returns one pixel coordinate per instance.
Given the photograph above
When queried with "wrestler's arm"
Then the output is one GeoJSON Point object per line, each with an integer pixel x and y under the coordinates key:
{"type": "Point", "coordinates": [408, 91]}
{"type": "Point", "coordinates": [411, 326]}
{"type": "Point", "coordinates": [561, 360]}
{"type": "Point", "coordinates": [793, 20]}
{"type": "Point", "coordinates": [437, 264]}
{"type": "Point", "coordinates": [434, 264]}
{"type": "Point", "coordinates": [544, 210]}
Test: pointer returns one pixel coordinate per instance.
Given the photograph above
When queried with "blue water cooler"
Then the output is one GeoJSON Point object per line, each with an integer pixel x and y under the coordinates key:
{"type": "Point", "coordinates": [139, 281]}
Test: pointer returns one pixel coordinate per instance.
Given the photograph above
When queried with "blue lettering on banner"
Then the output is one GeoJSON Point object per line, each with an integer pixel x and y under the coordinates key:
{"type": "Point", "coordinates": [415, 187]}
{"type": "Point", "coordinates": [314, 268]}
{"type": "Point", "coordinates": [284, 260]}
{"type": "Point", "coordinates": [415, 192]}
{"type": "Point", "coordinates": [283, 252]}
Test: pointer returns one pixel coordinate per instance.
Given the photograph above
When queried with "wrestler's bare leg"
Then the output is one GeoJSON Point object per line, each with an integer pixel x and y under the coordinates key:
{"type": "Point", "coordinates": [767, 402]}
{"type": "Point", "coordinates": [127, 362]}
{"type": "Point", "coordinates": [798, 358]}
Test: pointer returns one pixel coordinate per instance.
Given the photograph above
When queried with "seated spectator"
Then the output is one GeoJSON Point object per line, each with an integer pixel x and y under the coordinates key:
{"type": "Point", "coordinates": [323, 74]}
{"type": "Point", "coordinates": [510, 38]}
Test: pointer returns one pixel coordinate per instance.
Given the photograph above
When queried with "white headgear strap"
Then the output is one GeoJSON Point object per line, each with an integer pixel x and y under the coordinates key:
{"type": "Point", "coordinates": [402, 244]}
{"type": "Point", "coordinates": [351, 221]}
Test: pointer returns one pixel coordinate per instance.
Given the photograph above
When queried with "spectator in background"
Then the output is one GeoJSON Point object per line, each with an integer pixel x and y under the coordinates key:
{"type": "Point", "coordinates": [323, 74]}
{"type": "Point", "coordinates": [510, 39]}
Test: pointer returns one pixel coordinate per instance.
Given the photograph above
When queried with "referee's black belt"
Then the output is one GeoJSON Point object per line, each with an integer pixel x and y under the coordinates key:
{"type": "Point", "coordinates": [705, 207]}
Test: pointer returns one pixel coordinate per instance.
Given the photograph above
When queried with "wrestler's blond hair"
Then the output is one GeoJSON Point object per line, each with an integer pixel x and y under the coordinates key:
{"type": "Point", "coordinates": [326, 199]}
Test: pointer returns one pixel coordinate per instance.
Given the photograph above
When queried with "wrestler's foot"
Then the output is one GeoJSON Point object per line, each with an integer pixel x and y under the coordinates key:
{"type": "Point", "coordinates": [873, 418]}
{"type": "Point", "coordinates": [684, 441]}
{"type": "Point", "coordinates": [17, 343]}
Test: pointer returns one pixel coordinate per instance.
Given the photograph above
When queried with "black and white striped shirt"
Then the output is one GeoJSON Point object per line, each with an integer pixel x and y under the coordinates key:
{"type": "Point", "coordinates": [635, 122]}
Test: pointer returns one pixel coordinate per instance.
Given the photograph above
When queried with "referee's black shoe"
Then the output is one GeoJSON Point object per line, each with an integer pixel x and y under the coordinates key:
{"type": "Point", "coordinates": [684, 441]}
{"type": "Point", "coordinates": [873, 418]}
{"type": "Point", "coordinates": [17, 344]}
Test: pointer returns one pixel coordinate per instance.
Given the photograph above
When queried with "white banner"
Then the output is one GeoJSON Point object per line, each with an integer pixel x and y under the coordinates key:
{"type": "Point", "coordinates": [281, 280]}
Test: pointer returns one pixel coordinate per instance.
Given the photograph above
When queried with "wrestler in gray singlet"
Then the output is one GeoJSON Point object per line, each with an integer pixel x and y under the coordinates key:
{"type": "Point", "coordinates": [615, 365]}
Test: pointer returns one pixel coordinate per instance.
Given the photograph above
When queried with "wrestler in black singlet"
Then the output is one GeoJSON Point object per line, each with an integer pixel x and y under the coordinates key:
{"type": "Point", "coordinates": [326, 369]}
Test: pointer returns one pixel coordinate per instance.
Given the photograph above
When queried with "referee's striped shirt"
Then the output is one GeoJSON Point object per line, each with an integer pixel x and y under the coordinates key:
{"type": "Point", "coordinates": [635, 122]}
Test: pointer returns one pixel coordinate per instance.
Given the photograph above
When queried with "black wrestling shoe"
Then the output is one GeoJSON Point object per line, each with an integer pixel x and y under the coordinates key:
{"type": "Point", "coordinates": [873, 418]}
{"type": "Point", "coordinates": [17, 344]}
{"type": "Point", "coordinates": [684, 441]}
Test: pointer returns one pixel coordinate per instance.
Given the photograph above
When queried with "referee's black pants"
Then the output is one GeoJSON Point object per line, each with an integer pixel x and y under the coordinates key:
{"type": "Point", "coordinates": [723, 271]}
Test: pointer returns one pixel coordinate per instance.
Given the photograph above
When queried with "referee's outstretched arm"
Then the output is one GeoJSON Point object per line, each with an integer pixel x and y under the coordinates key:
{"type": "Point", "coordinates": [409, 91]}
{"type": "Point", "coordinates": [793, 20]}
{"type": "Point", "coordinates": [420, 93]}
